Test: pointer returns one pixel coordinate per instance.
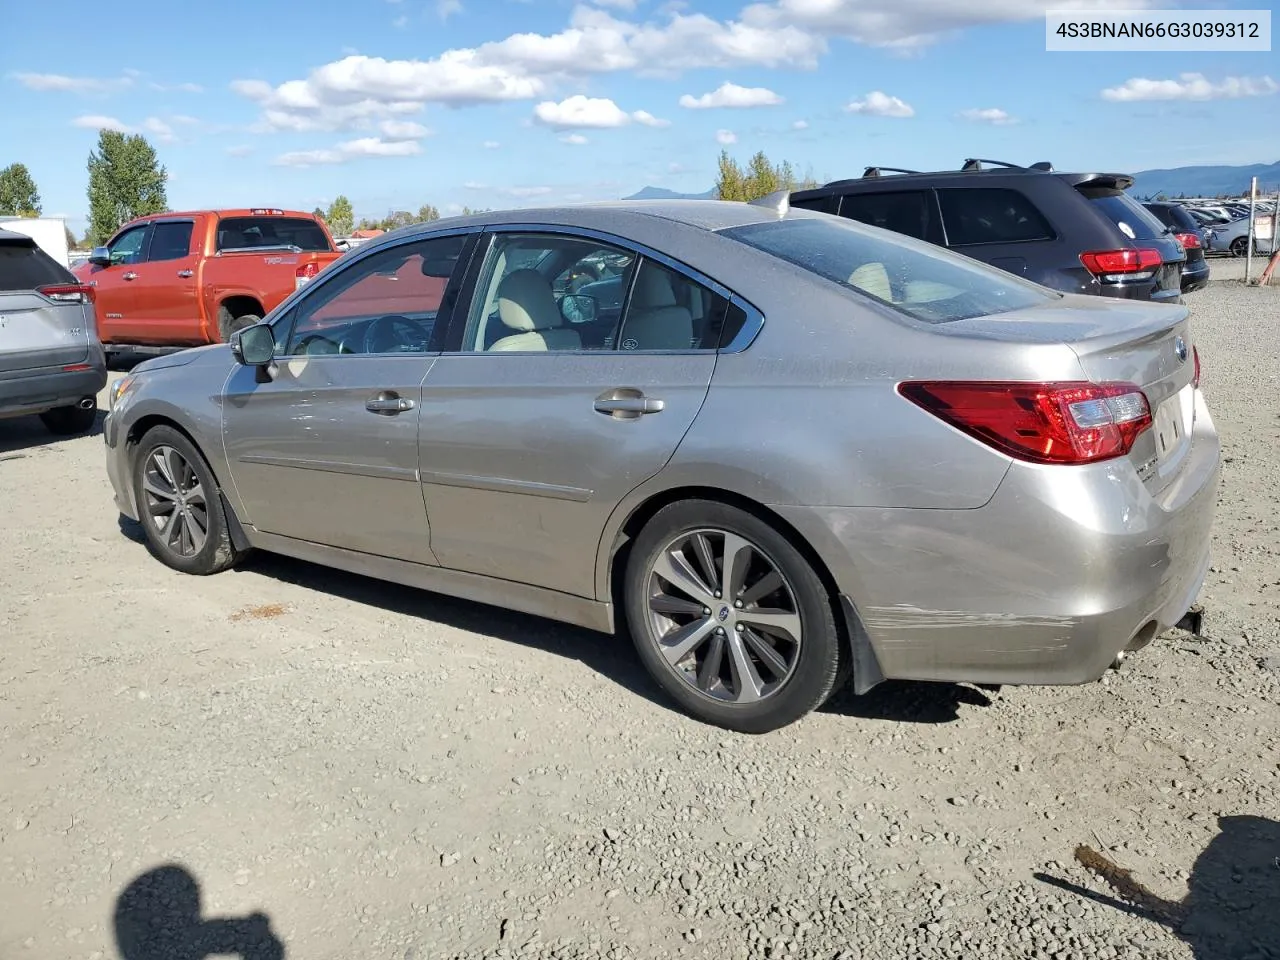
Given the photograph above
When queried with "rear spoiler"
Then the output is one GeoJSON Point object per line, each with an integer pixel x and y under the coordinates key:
{"type": "Point", "coordinates": [1113, 181]}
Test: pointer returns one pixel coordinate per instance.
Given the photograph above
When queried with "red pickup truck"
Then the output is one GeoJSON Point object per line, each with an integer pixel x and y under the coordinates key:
{"type": "Point", "coordinates": [188, 279]}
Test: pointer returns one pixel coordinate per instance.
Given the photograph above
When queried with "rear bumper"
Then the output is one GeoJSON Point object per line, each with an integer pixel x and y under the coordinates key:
{"type": "Point", "coordinates": [1064, 569]}
{"type": "Point", "coordinates": [24, 392]}
{"type": "Point", "coordinates": [1195, 276]}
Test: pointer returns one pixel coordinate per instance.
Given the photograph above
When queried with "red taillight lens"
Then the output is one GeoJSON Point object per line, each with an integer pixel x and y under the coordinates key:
{"type": "Point", "coordinates": [1189, 241]}
{"type": "Point", "coordinates": [1063, 423]}
{"type": "Point", "coordinates": [1195, 379]}
{"type": "Point", "coordinates": [1120, 262]}
{"type": "Point", "coordinates": [67, 292]}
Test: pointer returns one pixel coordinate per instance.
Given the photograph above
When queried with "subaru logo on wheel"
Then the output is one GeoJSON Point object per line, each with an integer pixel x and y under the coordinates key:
{"type": "Point", "coordinates": [724, 614]}
{"type": "Point", "coordinates": [1180, 348]}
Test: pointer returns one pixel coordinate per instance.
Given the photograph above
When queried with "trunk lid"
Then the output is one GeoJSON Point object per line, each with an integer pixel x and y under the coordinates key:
{"type": "Point", "coordinates": [37, 332]}
{"type": "Point", "coordinates": [1137, 227]}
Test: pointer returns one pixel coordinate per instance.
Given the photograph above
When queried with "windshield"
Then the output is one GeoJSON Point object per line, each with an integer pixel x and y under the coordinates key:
{"type": "Point", "coordinates": [918, 279]}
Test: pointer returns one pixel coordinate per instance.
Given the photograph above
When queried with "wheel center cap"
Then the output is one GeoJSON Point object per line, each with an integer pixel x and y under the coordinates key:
{"type": "Point", "coordinates": [723, 615]}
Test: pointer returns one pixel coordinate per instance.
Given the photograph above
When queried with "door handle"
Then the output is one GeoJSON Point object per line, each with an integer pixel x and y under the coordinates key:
{"type": "Point", "coordinates": [185, 274]}
{"type": "Point", "coordinates": [627, 404]}
{"type": "Point", "coordinates": [388, 404]}
{"type": "Point", "coordinates": [129, 276]}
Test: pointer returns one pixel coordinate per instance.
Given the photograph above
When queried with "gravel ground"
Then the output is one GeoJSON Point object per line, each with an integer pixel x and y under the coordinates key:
{"type": "Point", "coordinates": [290, 761]}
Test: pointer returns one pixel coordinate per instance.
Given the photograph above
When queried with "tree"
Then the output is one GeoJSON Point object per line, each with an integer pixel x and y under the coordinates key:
{"type": "Point", "coordinates": [126, 180]}
{"type": "Point", "coordinates": [18, 193]}
{"type": "Point", "coordinates": [340, 218]}
{"type": "Point", "coordinates": [318, 213]}
{"type": "Point", "coordinates": [427, 213]}
{"type": "Point", "coordinates": [71, 238]}
{"type": "Point", "coordinates": [760, 178]}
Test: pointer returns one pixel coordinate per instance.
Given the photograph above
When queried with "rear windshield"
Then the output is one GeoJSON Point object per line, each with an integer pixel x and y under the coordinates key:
{"type": "Point", "coordinates": [918, 279]}
{"type": "Point", "coordinates": [26, 267]}
{"type": "Point", "coordinates": [1132, 219]}
{"type": "Point", "coordinates": [236, 233]}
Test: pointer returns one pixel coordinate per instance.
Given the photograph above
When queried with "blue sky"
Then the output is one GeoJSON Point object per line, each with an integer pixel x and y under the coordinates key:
{"type": "Point", "coordinates": [397, 103]}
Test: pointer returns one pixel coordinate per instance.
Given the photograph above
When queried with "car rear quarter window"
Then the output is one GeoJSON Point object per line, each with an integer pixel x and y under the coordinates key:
{"type": "Point", "coordinates": [238, 233]}
{"type": "Point", "coordinates": [924, 282]}
{"type": "Point", "coordinates": [902, 211]}
{"type": "Point", "coordinates": [986, 215]}
{"type": "Point", "coordinates": [1125, 213]}
{"type": "Point", "coordinates": [24, 266]}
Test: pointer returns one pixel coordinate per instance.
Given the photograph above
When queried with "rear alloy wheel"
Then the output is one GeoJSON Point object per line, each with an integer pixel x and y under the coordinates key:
{"type": "Point", "coordinates": [69, 421]}
{"type": "Point", "coordinates": [1239, 247]}
{"type": "Point", "coordinates": [730, 618]}
{"type": "Point", "coordinates": [179, 504]}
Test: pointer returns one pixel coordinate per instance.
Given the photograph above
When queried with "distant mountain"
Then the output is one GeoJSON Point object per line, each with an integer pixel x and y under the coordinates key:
{"type": "Point", "coordinates": [1206, 181]}
{"type": "Point", "coordinates": [660, 193]}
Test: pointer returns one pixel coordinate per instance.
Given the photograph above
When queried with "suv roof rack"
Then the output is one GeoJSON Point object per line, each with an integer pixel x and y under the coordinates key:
{"type": "Point", "coordinates": [878, 171]}
{"type": "Point", "coordinates": [975, 164]}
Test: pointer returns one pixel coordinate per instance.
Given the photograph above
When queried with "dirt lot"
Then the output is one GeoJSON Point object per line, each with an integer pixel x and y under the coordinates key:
{"type": "Point", "coordinates": [380, 773]}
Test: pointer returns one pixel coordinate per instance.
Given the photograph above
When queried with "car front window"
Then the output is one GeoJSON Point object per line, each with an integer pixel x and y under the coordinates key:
{"type": "Point", "coordinates": [924, 282]}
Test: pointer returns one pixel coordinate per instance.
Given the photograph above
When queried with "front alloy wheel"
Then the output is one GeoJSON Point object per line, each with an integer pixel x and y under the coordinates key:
{"type": "Point", "coordinates": [175, 501]}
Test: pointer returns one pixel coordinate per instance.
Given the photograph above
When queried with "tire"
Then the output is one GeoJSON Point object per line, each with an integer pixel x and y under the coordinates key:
{"type": "Point", "coordinates": [69, 421]}
{"type": "Point", "coordinates": [227, 324]}
{"type": "Point", "coordinates": [708, 686]}
{"type": "Point", "coordinates": [1239, 247]}
{"type": "Point", "coordinates": [166, 542]}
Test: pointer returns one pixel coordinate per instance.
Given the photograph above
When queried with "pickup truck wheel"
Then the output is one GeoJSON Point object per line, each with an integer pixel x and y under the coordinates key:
{"type": "Point", "coordinates": [227, 324]}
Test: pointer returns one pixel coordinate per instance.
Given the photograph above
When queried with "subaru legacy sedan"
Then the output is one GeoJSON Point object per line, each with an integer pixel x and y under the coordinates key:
{"type": "Point", "coordinates": [782, 449]}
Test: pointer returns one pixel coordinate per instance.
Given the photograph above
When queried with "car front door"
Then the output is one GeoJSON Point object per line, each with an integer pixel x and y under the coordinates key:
{"type": "Point", "coordinates": [326, 451]}
{"type": "Point", "coordinates": [535, 423]}
{"type": "Point", "coordinates": [166, 306]}
{"type": "Point", "coordinates": [115, 290]}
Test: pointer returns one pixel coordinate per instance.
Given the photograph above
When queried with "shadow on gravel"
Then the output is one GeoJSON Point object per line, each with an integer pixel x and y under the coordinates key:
{"type": "Point", "coordinates": [24, 433]}
{"type": "Point", "coordinates": [608, 657]}
{"type": "Point", "coordinates": [157, 917]}
{"type": "Point", "coordinates": [903, 701]}
{"type": "Point", "coordinates": [1232, 907]}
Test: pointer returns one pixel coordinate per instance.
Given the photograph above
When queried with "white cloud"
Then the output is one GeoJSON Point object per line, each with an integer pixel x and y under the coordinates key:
{"type": "Point", "coordinates": [580, 111]}
{"type": "Point", "coordinates": [475, 185]}
{"type": "Point", "coordinates": [647, 119]}
{"type": "Point", "coordinates": [800, 125]}
{"type": "Point", "coordinates": [491, 144]}
{"type": "Point", "coordinates": [880, 104]}
{"type": "Point", "coordinates": [159, 129]}
{"type": "Point", "coordinates": [447, 8]}
{"type": "Point", "coordinates": [99, 122]}
{"type": "Point", "coordinates": [183, 119]}
{"type": "Point", "coordinates": [731, 95]}
{"type": "Point", "coordinates": [907, 23]}
{"type": "Point", "coordinates": [400, 22]}
{"type": "Point", "coordinates": [1190, 86]}
{"type": "Point", "coordinates": [619, 4]}
{"type": "Point", "coordinates": [575, 139]}
{"type": "Point", "coordinates": [60, 83]}
{"type": "Point", "coordinates": [350, 150]}
{"type": "Point", "coordinates": [177, 88]}
{"type": "Point", "coordinates": [525, 191]}
{"type": "Point", "coordinates": [402, 130]}
{"type": "Point", "coordinates": [241, 150]}
{"type": "Point", "coordinates": [726, 137]}
{"type": "Point", "coordinates": [992, 115]}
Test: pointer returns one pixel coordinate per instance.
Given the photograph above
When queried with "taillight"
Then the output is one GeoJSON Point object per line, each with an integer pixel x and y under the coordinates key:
{"type": "Point", "coordinates": [1060, 423]}
{"type": "Point", "coordinates": [1195, 377]}
{"type": "Point", "coordinates": [67, 292]}
{"type": "Point", "coordinates": [1189, 241]}
{"type": "Point", "coordinates": [305, 274]}
{"type": "Point", "coordinates": [1122, 264]}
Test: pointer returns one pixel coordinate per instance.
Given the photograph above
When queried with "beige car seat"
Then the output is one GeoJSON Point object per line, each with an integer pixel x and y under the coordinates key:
{"type": "Point", "coordinates": [655, 319]}
{"type": "Point", "coordinates": [527, 308]}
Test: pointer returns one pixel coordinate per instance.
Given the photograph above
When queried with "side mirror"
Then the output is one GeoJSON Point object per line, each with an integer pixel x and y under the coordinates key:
{"type": "Point", "coordinates": [100, 257]}
{"type": "Point", "coordinates": [254, 346]}
{"type": "Point", "coordinates": [578, 308]}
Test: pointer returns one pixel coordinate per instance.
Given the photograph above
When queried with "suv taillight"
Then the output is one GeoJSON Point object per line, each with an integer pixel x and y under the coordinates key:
{"type": "Point", "coordinates": [1195, 379]}
{"type": "Point", "coordinates": [1051, 423]}
{"type": "Point", "coordinates": [304, 274]}
{"type": "Point", "coordinates": [1189, 241]}
{"type": "Point", "coordinates": [1126, 264]}
{"type": "Point", "coordinates": [67, 292]}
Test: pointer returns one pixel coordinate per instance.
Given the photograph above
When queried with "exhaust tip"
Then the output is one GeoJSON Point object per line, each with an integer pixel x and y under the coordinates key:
{"type": "Point", "coordinates": [88, 403]}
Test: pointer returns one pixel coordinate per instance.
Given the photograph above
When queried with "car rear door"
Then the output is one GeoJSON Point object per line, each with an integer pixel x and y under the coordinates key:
{"type": "Point", "coordinates": [531, 436]}
{"type": "Point", "coordinates": [46, 319]}
{"type": "Point", "coordinates": [166, 305]}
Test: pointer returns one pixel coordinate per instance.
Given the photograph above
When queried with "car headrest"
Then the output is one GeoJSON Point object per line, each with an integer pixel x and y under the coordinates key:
{"type": "Point", "coordinates": [526, 302]}
{"type": "Point", "coordinates": [653, 289]}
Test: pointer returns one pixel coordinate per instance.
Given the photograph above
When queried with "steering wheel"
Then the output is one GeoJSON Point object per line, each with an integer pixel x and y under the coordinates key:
{"type": "Point", "coordinates": [392, 334]}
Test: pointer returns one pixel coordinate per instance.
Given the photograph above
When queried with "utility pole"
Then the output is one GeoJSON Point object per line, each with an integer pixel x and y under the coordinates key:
{"type": "Point", "coordinates": [1248, 239]}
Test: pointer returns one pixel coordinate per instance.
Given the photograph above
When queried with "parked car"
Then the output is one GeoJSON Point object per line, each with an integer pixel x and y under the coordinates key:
{"type": "Point", "coordinates": [188, 279]}
{"type": "Point", "coordinates": [1075, 232]}
{"type": "Point", "coordinates": [1195, 272]}
{"type": "Point", "coordinates": [801, 449]}
{"type": "Point", "coordinates": [1233, 238]}
{"type": "Point", "coordinates": [51, 362]}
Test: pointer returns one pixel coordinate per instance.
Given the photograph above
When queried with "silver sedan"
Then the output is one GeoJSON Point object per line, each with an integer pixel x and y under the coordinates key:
{"type": "Point", "coordinates": [785, 450]}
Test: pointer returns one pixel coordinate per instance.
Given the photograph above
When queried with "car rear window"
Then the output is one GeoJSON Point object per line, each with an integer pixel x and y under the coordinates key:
{"type": "Point", "coordinates": [237, 233]}
{"type": "Point", "coordinates": [984, 215]}
{"type": "Point", "coordinates": [24, 266]}
{"type": "Point", "coordinates": [1129, 216]}
{"type": "Point", "coordinates": [924, 282]}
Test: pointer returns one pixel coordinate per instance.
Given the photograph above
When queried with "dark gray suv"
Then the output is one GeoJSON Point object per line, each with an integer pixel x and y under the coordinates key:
{"type": "Point", "coordinates": [51, 362]}
{"type": "Point", "coordinates": [1075, 232]}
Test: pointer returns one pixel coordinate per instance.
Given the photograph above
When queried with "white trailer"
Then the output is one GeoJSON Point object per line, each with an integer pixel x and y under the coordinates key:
{"type": "Point", "coordinates": [49, 233]}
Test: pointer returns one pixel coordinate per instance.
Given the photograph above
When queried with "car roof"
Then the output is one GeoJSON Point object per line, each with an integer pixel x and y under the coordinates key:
{"type": "Point", "coordinates": [873, 178]}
